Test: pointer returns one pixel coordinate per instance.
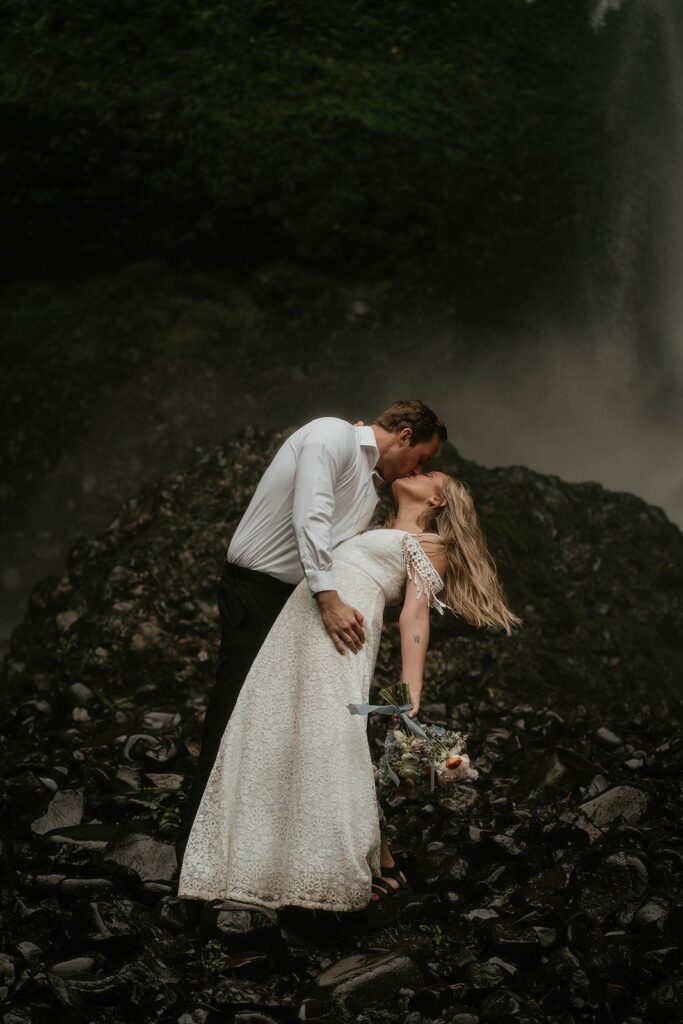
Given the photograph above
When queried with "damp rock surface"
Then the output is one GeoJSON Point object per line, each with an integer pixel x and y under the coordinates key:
{"type": "Point", "coordinates": [550, 890]}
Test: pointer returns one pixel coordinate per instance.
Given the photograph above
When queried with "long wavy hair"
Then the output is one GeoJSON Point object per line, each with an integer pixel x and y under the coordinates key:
{"type": "Point", "coordinates": [471, 585]}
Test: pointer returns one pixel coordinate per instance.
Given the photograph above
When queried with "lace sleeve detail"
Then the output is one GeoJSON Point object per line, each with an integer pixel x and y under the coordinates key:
{"type": "Point", "coordinates": [421, 571]}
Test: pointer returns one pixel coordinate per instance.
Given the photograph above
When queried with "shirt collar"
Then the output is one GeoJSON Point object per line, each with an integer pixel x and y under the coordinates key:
{"type": "Point", "coordinates": [366, 437]}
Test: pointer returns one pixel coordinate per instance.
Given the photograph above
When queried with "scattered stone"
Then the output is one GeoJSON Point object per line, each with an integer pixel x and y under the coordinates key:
{"type": "Point", "coordinates": [650, 914]}
{"type": "Point", "coordinates": [83, 694]}
{"type": "Point", "coordinates": [487, 975]}
{"type": "Point", "coordinates": [79, 965]}
{"type": "Point", "coordinates": [542, 882]}
{"type": "Point", "coordinates": [238, 926]}
{"type": "Point", "coordinates": [149, 858]}
{"type": "Point", "coordinates": [65, 620]}
{"type": "Point", "coordinates": [165, 780]}
{"type": "Point", "coordinates": [628, 802]}
{"type": "Point", "coordinates": [614, 887]}
{"type": "Point", "coordinates": [161, 720]}
{"type": "Point", "coordinates": [364, 978]}
{"type": "Point", "coordinates": [608, 739]}
{"type": "Point", "coordinates": [65, 809]}
{"type": "Point", "coordinates": [82, 887]}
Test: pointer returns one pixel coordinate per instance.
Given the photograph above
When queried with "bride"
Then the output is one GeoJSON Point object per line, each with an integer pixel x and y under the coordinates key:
{"type": "Point", "coordinates": [289, 815]}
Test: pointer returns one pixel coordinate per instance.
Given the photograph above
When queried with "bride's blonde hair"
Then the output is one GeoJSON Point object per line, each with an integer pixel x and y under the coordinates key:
{"type": "Point", "coordinates": [471, 585]}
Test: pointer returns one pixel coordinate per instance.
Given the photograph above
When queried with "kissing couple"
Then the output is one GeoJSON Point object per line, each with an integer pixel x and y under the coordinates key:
{"type": "Point", "coordinates": [283, 810]}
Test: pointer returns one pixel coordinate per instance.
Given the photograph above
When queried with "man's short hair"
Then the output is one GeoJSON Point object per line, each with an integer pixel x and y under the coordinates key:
{"type": "Point", "coordinates": [414, 414]}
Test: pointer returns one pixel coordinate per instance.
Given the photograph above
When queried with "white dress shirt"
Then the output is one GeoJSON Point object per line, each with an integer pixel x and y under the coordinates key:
{"type": "Point", "coordinates": [317, 491]}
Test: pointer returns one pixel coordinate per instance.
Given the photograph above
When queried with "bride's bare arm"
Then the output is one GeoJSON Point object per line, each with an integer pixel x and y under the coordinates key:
{"type": "Point", "coordinates": [414, 628]}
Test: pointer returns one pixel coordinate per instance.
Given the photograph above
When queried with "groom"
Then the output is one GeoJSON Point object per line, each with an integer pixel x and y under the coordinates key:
{"type": "Point", "coordinates": [318, 491]}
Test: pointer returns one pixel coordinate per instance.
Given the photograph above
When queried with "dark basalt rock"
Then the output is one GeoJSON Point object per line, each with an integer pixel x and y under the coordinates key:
{"type": "Point", "coordinates": [146, 856]}
{"type": "Point", "coordinates": [615, 887]}
{"type": "Point", "coordinates": [238, 926]}
{"type": "Point", "coordinates": [364, 978]}
{"type": "Point", "coordinates": [550, 890]}
{"type": "Point", "coordinates": [65, 809]}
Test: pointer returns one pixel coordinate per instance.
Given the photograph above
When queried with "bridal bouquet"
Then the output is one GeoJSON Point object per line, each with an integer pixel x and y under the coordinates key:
{"type": "Point", "coordinates": [415, 753]}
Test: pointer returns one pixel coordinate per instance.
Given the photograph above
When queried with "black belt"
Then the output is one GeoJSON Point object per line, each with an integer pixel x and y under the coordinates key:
{"type": "Point", "coordinates": [256, 576]}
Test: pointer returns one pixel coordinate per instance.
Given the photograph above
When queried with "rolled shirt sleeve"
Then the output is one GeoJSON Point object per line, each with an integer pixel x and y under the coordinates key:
{"type": "Point", "coordinates": [317, 472]}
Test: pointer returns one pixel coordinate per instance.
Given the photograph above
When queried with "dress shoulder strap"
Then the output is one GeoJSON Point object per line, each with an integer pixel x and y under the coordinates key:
{"type": "Point", "coordinates": [421, 571]}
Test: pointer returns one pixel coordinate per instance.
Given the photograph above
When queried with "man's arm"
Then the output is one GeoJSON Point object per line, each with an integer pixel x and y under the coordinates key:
{"type": "Point", "coordinates": [316, 476]}
{"type": "Point", "coordinates": [318, 469]}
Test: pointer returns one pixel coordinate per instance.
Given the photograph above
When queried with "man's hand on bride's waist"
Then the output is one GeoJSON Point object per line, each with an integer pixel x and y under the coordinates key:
{"type": "Point", "coordinates": [343, 622]}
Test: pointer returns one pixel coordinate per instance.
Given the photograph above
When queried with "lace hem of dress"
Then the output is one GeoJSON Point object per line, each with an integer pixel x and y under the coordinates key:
{"type": "Point", "coordinates": [421, 571]}
{"type": "Point", "coordinates": [353, 902]}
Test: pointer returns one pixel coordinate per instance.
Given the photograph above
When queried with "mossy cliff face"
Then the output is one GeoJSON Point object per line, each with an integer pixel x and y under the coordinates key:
{"type": "Point", "coordinates": [457, 139]}
{"type": "Point", "coordinates": [549, 890]}
{"type": "Point", "coordinates": [596, 576]}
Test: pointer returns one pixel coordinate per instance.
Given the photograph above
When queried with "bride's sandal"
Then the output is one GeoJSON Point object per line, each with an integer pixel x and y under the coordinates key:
{"type": "Point", "coordinates": [382, 888]}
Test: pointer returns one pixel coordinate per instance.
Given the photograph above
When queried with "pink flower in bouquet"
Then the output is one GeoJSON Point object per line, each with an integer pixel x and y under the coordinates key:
{"type": "Point", "coordinates": [457, 769]}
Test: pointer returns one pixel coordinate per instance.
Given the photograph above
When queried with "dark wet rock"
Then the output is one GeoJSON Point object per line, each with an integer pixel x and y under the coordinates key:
{"type": "Point", "coordinates": [30, 951]}
{"type": "Point", "coordinates": [254, 1017]}
{"type": "Point", "coordinates": [103, 991]}
{"type": "Point", "coordinates": [656, 963]}
{"type": "Point", "coordinates": [614, 887]}
{"type": "Point", "coordinates": [79, 965]}
{"type": "Point", "coordinates": [83, 887]}
{"type": "Point", "coordinates": [428, 1001]}
{"type": "Point", "coordinates": [170, 913]}
{"type": "Point", "coordinates": [513, 876]}
{"type": "Point", "coordinates": [458, 869]}
{"type": "Point", "coordinates": [608, 739]}
{"type": "Point", "coordinates": [165, 780]}
{"type": "Point", "coordinates": [668, 996]}
{"type": "Point", "coordinates": [129, 777]}
{"type": "Point", "coordinates": [85, 837]}
{"type": "Point", "coordinates": [547, 937]}
{"type": "Point", "coordinates": [142, 747]}
{"type": "Point", "coordinates": [481, 914]}
{"type": "Point", "coordinates": [238, 926]}
{"type": "Point", "coordinates": [562, 768]}
{"type": "Point", "coordinates": [565, 969]}
{"type": "Point", "coordinates": [673, 922]}
{"type": "Point", "coordinates": [486, 975]}
{"type": "Point", "coordinates": [548, 888]}
{"type": "Point", "coordinates": [651, 915]}
{"type": "Point", "coordinates": [143, 854]}
{"type": "Point", "coordinates": [364, 978]}
{"type": "Point", "coordinates": [627, 803]}
{"type": "Point", "coordinates": [65, 809]}
{"type": "Point", "coordinates": [197, 1016]}
{"type": "Point", "coordinates": [518, 943]}
{"type": "Point", "coordinates": [151, 892]}
{"type": "Point", "coordinates": [500, 1005]}
{"type": "Point", "coordinates": [82, 694]}
{"type": "Point", "coordinates": [106, 924]}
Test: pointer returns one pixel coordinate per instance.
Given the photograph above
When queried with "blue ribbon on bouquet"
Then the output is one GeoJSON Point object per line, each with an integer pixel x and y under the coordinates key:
{"type": "Point", "coordinates": [410, 723]}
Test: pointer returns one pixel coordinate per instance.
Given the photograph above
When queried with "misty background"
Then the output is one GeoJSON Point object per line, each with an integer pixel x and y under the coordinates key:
{"type": "Point", "coordinates": [219, 215]}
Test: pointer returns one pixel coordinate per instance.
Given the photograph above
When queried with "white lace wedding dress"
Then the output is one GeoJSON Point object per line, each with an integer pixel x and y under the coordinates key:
{"type": "Point", "coordinates": [289, 815]}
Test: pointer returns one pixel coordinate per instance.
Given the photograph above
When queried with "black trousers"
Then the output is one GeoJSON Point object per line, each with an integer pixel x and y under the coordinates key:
{"type": "Point", "coordinates": [249, 603]}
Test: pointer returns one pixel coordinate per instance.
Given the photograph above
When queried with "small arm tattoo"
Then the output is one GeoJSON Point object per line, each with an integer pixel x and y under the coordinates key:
{"type": "Point", "coordinates": [417, 638]}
